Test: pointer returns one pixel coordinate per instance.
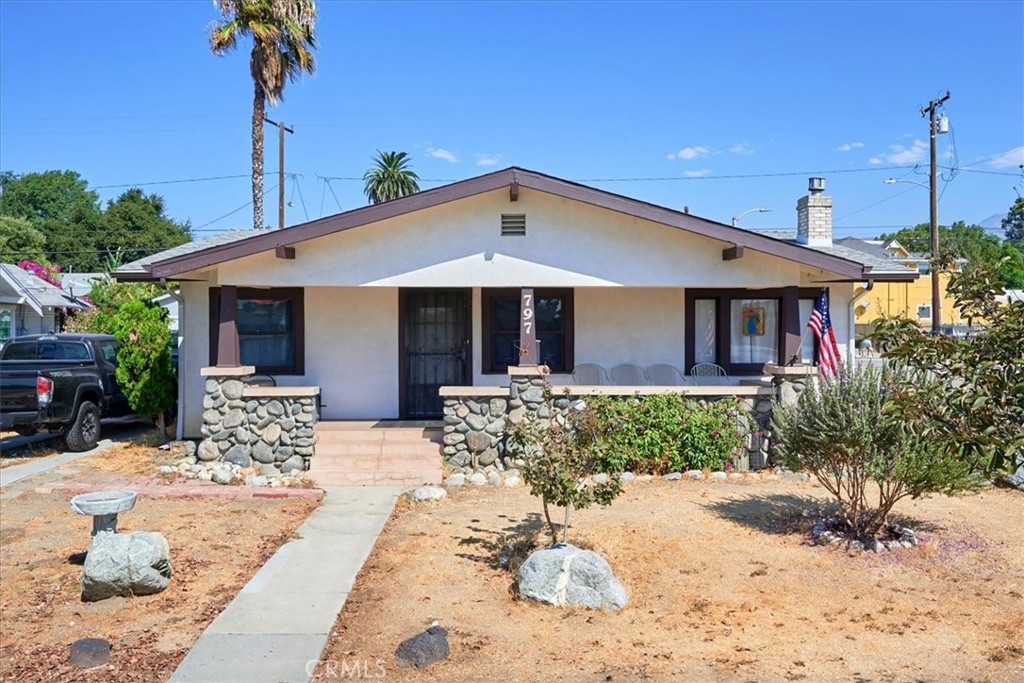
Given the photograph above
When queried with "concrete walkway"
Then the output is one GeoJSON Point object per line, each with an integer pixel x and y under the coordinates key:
{"type": "Point", "coordinates": [9, 475]}
{"type": "Point", "coordinates": [276, 628]}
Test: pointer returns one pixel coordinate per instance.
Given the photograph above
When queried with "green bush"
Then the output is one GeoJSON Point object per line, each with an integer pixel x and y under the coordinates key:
{"type": "Point", "coordinates": [665, 432]}
{"type": "Point", "coordinates": [843, 435]}
{"type": "Point", "coordinates": [144, 370]}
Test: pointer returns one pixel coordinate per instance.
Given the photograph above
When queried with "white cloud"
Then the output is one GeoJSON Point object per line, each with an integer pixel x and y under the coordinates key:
{"type": "Point", "coordinates": [699, 173]}
{"type": "Point", "coordinates": [742, 148]}
{"type": "Point", "coordinates": [898, 154]}
{"type": "Point", "coordinates": [690, 153]}
{"type": "Point", "coordinates": [442, 153]}
{"type": "Point", "coordinates": [488, 159]}
{"type": "Point", "coordinates": [850, 146]}
{"type": "Point", "coordinates": [1014, 157]}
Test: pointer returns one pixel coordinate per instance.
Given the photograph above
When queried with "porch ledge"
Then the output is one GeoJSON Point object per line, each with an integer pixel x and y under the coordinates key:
{"type": "Point", "coordinates": [257, 391]}
{"type": "Point", "coordinates": [226, 371]}
{"type": "Point", "coordinates": [473, 391]}
{"type": "Point", "coordinates": [691, 390]}
{"type": "Point", "coordinates": [529, 370]}
{"type": "Point", "coordinates": [790, 370]}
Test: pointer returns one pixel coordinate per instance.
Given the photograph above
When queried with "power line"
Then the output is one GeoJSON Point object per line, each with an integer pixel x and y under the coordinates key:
{"type": "Point", "coordinates": [173, 182]}
{"type": "Point", "coordinates": [232, 212]}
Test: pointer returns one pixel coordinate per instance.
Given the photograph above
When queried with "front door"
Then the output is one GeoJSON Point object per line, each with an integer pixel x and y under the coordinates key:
{"type": "Point", "coordinates": [434, 348]}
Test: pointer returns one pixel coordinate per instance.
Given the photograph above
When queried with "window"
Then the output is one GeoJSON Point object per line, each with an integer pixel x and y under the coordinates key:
{"type": "Point", "coordinates": [270, 325]}
{"type": "Point", "coordinates": [741, 330]}
{"type": "Point", "coordinates": [924, 312]}
{"type": "Point", "coordinates": [6, 325]}
{"type": "Point", "coordinates": [20, 351]}
{"type": "Point", "coordinates": [554, 315]}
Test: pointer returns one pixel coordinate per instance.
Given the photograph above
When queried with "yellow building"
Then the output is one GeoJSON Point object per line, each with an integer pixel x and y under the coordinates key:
{"type": "Point", "coordinates": [911, 300]}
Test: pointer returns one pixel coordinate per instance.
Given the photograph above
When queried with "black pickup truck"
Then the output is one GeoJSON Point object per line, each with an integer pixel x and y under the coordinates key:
{"type": "Point", "coordinates": [61, 383]}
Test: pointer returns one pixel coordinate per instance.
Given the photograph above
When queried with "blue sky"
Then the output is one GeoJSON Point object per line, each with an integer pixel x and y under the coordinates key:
{"type": "Point", "coordinates": [659, 101]}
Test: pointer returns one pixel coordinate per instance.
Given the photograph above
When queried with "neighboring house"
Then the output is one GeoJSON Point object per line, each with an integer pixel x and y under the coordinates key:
{"type": "Point", "coordinates": [382, 305]}
{"type": "Point", "coordinates": [29, 304]}
{"type": "Point", "coordinates": [911, 300]}
{"type": "Point", "coordinates": [1010, 296]}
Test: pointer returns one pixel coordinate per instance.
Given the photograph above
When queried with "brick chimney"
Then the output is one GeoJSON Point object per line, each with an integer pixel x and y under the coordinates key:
{"type": "Point", "coordinates": [814, 216]}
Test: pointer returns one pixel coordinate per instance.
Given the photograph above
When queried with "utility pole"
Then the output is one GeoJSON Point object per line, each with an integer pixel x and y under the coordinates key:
{"type": "Point", "coordinates": [929, 111]}
{"type": "Point", "coordinates": [281, 130]}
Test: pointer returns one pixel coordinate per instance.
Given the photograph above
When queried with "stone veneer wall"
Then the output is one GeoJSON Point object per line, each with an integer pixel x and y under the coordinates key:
{"type": "Point", "coordinates": [474, 423]}
{"type": "Point", "coordinates": [240, 425]}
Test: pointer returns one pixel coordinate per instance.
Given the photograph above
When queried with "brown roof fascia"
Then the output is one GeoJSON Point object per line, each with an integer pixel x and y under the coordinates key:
{"type": "Point", "coordinates": [486, 183]}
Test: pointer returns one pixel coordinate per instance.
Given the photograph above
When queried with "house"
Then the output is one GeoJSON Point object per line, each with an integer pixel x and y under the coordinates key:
{"type": "Point", "coordinates": [29, 304]}
{"type": "Point", "coordinates": [381, 306]}
{"type": "Point", "coordinates": [909, 299]}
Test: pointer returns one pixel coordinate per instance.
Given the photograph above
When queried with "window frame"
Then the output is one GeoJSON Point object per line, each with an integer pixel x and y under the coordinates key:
{"type": "Point", "coordinates": [294, 295]}
{"type": "Point", "coordinates": [489, 294]}
{"type": "Point", "coordinates": [789, 317]}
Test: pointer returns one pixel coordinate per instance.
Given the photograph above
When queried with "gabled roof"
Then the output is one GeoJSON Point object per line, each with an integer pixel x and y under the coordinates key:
{"type": "Point", "coordinates": [38, 293]}
{"type": "Point", "coordinates": [236, 244]}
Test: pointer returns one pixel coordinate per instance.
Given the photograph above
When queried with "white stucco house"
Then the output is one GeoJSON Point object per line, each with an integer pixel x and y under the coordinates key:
{"type": "Point", "coordinates": [382, 305]}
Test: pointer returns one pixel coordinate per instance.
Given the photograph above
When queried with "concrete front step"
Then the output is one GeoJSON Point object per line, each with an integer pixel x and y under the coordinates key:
{"type": "Point", "coordinates": [386, 478]}
{"type": "Point", "coordinates": [365, 454]}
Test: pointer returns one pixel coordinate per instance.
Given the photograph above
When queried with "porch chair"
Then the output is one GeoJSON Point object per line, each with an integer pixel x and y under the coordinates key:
{"type": "Point", "coordinates": [627, 374]}
{"type": "Point", "coordinates": [589, 374]}
{"type": "Point", "coordinates": [262, 381]}
{"type": "Point", "coordinates": [708, 373]}
{"type": "Point", "coordinates": [664, 375]}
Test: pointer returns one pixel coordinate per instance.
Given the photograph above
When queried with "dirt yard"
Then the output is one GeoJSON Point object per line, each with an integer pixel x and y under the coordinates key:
{"type": "Point", "coordinates": [722, 584]}
{"type": "Point", "coordinates": [216, 546]}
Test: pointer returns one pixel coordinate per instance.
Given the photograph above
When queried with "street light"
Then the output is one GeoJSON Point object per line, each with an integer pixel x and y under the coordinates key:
{"type": "Point", "coordinates": [736, 219]}
{"type": "Point", "coordinates": [893, 181]}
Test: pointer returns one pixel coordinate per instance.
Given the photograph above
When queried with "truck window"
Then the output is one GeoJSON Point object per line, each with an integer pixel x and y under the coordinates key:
{"type": "Point", "coordinates": [20, 351]}
{"type": "Point", "coordinates": [47, 350]}
{"type": "Point", "coordinates": [109, 352]}
{"type": "Point", "coordinates": [72, 351]}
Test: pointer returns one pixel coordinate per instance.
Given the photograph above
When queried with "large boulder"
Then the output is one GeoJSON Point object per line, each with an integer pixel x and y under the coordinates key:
{"type": "Point", "coordinates": [137, 563]}
{"type": "Point", "coordinates": [424, 649]}
{"type": "Point", "coordinates": [566, 575]}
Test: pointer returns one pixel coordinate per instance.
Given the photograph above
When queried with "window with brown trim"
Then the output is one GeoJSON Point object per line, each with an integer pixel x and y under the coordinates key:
{"type": "Point", "coordinates": [742, 329]}
{"type": "Point", "coordinates": [500, 326]}
{"type": "Point", "coordinates": [271, 329]}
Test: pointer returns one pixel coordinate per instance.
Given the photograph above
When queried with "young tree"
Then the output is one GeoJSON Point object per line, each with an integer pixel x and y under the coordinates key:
{"type": "Point", "coordinates": [19, 241]}
{"type": "Point", "coordinates": [841, 433]}
{"type": "Point", "coordinates": [1013, 224]}
{"type": "Point", "coordinates": [144, 370]}
{"type": "Point", "coordinates": [389, 178]}
{"type": "Point", "coordinates": [283, 42]}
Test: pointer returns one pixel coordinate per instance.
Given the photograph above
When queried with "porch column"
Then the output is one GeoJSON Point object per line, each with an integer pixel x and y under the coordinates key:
{"type": "Point", "coordinates": [791, 323]}
{"type": "Point", "coordinates": [228, 354]}
{"type": "Point", "coordinates": [528, 355]}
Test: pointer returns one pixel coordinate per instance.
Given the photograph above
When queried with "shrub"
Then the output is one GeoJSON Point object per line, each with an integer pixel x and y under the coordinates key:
{"type": "Point", "coordinates": [144, 370]}
{"type": "Point", "coordinates": [666, 432]}
{"type": "Point", "coordinates": [560, 456]}
{"type": "Point", "coordinates": [841, 434]}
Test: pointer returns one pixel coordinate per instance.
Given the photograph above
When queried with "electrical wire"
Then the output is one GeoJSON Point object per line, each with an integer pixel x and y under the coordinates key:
{"type": "Point", "coordinates": [232, 212]}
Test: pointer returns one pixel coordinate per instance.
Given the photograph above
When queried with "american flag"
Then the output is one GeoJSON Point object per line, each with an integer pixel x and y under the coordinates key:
{"type": "Point", "coordinates": [820, 323]}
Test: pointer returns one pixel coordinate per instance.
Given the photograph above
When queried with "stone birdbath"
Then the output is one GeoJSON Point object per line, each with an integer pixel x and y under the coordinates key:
{"type": "Point", "coordinates": [103, 506]}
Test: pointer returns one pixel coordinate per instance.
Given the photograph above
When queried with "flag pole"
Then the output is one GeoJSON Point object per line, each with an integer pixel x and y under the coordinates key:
{"type": "Point", "coordinates": [801, 344]}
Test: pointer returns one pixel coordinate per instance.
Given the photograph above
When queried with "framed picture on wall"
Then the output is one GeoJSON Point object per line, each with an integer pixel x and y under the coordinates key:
{"type": "Point", "coordinates": [753, 321]}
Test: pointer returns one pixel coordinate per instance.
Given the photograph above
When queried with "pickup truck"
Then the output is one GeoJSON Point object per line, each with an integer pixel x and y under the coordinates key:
{"type": "Point", "coordinates": [60, 383]}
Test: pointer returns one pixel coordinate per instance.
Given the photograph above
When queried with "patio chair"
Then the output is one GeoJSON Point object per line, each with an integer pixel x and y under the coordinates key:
{"type": "Point", "coordinates": [262, 381]}
{"type": "Point", "coordinates": [627, 374]}
{"type": "Point", "coordinates": [589, 374]}
{"type": "Point", "coordinates": [708, 373]}
{"type": "Point", "coordinates": [664, 375]}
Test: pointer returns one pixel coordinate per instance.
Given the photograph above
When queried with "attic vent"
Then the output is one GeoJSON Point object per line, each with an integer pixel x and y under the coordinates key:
{"type": "Point", "coordinates": [513, 224]}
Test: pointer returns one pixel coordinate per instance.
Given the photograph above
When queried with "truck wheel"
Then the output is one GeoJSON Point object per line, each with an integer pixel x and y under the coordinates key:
{"type": "Point", "coordinates": [84, 433]}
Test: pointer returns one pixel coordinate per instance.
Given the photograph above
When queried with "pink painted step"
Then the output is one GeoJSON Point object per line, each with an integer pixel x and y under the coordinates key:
{"type": "Point", "coordinates": [369, 454]}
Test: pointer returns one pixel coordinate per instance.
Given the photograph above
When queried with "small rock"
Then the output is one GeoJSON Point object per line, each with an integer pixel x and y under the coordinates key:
{"type": "Point", "coordinates": [87, 653]}
{"type": "Point", "coordinates": [238, 455]}
{"type": "Point", "coordinates": [719, 475]}
{"type": "Point", "coordinates": [457, 479]}
{"type": "Point", "coordinates": [735, 475]}
{"type": "Point", "coordinates": [478, 479]}
{"type": "Point", "coordinates": [696, 475]}
{"type": "Point", "coordinates": [673, 476]}
{"type": "Point", "coordinates": [205, 475]}
{"type": "Point", "coordinates": [424, 649]}
{"type": "Point", "coordinates": [137, 563]}
{"type": "Point", "coordinates": [269, 471]}
{"type": "Point", "coordinates": [493, 479]}
{"type": "Point", "coordinates": [208, 451]}
{"type": "Point", "coordinates": [644, 477]}
{"type": "Point", "coordinates": [566, 575]}
{"type": "Point", "coordinates": [221, 475]}
{"type": "Point", "coordinates": [627, 476]}
{"type": "Point", "coordinates": [425, 493]}
{"type": "Point", "coordinates": [168, 469]}
{"type": "Point", "coordinates": [295, 463]}
{"type": "Point", "coordinates": [512, 481]}
{"type": "Point", "coordinates": [256, 480]}
{"type": "Point", "coordinates": [600, 478]}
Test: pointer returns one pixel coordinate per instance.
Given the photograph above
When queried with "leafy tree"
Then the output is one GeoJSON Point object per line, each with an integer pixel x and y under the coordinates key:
{"type": "Point", "coordinates": [108, 298]}
{"type": "Point", "coordinates": [967, 397]}
{"type": "Point", "coordinates": [968, 242]}
{"type": "Point", "coordinates": [20, 241]}
{"type": "Point", "coordinates": [282, 50]}
{"type": "Point", "coordinates": [1013, 224]}
{"type": "Point", "coordinates": [144, 370]}
{"type": "Point", "coordinates": [390, 178]}
{"type": "Point", "coordinates": [560, 458]}
{"type": "Point", "coordinates": [136, 221]}
{"type": "Point", "coordinates": [57, 195]}
{"type": "Point", "coordinates": [842, 435]}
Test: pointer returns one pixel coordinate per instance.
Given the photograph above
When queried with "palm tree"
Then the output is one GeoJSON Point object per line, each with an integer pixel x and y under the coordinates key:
{"type": "Point", "coordinates": [390, 178]}
{"type": "Point", "coordinates": [282, 50]}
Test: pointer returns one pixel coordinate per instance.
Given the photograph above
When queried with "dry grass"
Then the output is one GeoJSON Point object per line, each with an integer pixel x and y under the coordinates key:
{"type": "Point", "coordinates": [722, 585]}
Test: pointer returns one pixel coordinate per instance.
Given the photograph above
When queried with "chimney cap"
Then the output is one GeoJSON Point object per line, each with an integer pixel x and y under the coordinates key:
{"type": "Point", "coordinates": [815, 185]}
